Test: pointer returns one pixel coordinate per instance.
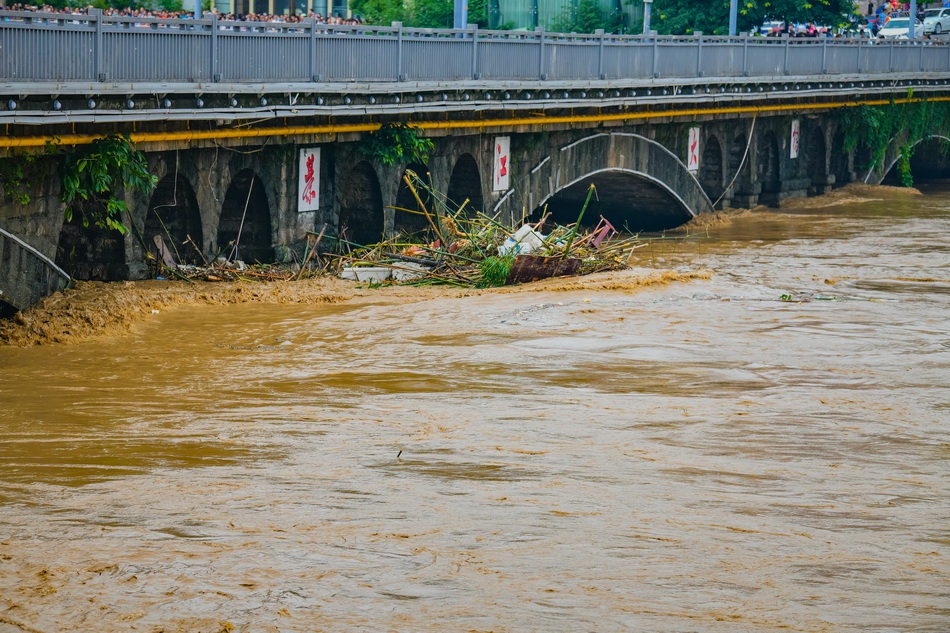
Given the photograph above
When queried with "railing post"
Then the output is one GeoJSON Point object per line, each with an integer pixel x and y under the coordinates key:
{"type": "Point", "coordinates": [600, 54]}
{"type": "Point", "coordinates": [656, 50]}
{"type": "Point", "coordinates": [920, 58]}
{"type": "Point", "coordinates": [745, 55]}
{"type": "Point", "coordinates": [824, 55]}
{"type": "Point", "coordinates": [699, 53]}
{"type": "Point", "coordinates": [312, 25]}
{"type": "Point", "coordinates": [399, 75]}
{"type": "Point", "coordinates": [96, 15]}
{"type": "Point", "coordinates": [890, 57]}
{"type": "Point", "coordinates": [215, 72]}
{"type": "Point", "coordinates": [542, 74]}
{"type": "Point", "coordinates": [474, 29]}
{"type": "Point", "coordinates": [788, 41]}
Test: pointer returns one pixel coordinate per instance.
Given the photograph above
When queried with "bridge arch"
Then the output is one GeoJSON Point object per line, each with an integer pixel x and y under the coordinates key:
{"type": "Point", "coordinates": [362, 219]}
{"type": "Point", "coordinates": [466, 183]}
{"type": "Point", "coordinates": [740, 169]}
{"type": "Point", "coordinates": [612, 186]}
{"type": "Point", "coordinates": [767, 168]}
{"type": "Point", "coordinates": [244, 229]}
{"type": "Point", "coordinates": [711, 173]}
{"type": "Point", "coordinates": [643, 185]}
{"type": "Point", "coordinates": [891, 161]}
{"type": "Point", "coordinates": [409, 217]}
{"type": "Point", "coordinates": [173, 220]}
{"type": "Point", "coordinates": [841, 165]}
{"type": "Point", "coordinates": [816, 152]}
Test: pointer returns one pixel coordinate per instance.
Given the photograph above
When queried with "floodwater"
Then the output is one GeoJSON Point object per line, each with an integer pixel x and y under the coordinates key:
{"type": "Point", "coordinates": [766, 450]}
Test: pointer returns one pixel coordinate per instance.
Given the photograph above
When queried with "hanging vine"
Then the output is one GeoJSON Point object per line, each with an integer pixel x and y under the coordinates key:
{"type": "Point", "coordinates": [96, 172]}
{"type": "Point", "coordinates": [876, 127]}
{"type": "Point", "coordinates": [395, 143]}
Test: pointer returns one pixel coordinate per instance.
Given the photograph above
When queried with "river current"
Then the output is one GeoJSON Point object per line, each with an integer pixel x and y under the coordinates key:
{"type": "Point", "coordinates": [764, 450]}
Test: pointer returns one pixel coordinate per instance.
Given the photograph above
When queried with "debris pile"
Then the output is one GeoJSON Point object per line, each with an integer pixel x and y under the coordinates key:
{"type": "Point", "coordinates": [164, 265]}
{"type": "Point", "coordinates": [227, 271]}
{"type": "Point", "coordinates": [461, 247]}
{"type": "Point", "coordinates": [474, 250]}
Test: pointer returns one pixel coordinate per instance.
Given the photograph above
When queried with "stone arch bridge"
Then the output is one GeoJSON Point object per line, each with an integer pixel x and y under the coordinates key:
{"type": "Point", "coordinates": [252, 158]}
{"type": "Point", "coordinates": [241, 201]}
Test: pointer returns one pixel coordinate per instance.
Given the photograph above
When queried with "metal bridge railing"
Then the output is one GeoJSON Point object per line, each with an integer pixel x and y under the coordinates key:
{"type": "Point", "coordinates": [26, 275]}
{"type": "Point", "coordinates": [38, 47]}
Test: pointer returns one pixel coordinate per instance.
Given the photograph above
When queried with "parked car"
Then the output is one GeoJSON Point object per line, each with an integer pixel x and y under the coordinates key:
{"type": "Point", "coordinates": [936, 21]}
{"type": "Point", "coordinates": [897, 29]}
{"type": "Point", "coordinates": [772, 27]}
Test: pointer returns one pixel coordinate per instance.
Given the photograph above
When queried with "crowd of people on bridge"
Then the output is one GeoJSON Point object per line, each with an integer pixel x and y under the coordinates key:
{"type": "Point", "coordinates": [127, 12]}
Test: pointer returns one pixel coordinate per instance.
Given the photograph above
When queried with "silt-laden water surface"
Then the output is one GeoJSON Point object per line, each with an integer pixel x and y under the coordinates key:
{"type": "Point", "coordinates": [765, 450]}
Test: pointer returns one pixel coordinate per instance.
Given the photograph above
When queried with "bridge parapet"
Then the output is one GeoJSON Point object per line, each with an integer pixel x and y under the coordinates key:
{"type": "Point", "coordinates": [42, 47]}
{"type": "Point", "coordinates": [96, 71]}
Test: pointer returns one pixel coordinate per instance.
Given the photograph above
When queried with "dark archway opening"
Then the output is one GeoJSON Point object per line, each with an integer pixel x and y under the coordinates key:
{"type": "Point", "coordinates": [862, 162]}
{"type": "Point", "coordinates": [817, 162]}
{"type": "Point", "coordinates": [840, 161]}
{"type": "Point", "coordinates": [90, 252]}
{"type": "Point", "coordinates": [710, 169]}
{"type": "Point", "coordinates": [930, 161]}
{"type": "Point", "coordinates": [740, 172]}
{"type": "Point", "coordinates": [736, 154]}
{"type": "Point", "coordinates": [768, 168]}
{"type": "Point", "coordinates": [244, 232]}
{"type": "Point", "coordinates": [410, 219]}
{"type": "Point", "coordinates": [6, 310]}
{"type": "Point", "coordinates": [466, 184]}
{"type": "Point", "coordinates": [629, 202]}
{"type": "Point", "coordinates": [173, 222]}
{"type": "Point", "coordinates": [361, 206]}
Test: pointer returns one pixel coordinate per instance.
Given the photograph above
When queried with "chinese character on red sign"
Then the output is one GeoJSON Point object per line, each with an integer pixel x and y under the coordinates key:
{"type": "Point", "coordinates": [309, 179]}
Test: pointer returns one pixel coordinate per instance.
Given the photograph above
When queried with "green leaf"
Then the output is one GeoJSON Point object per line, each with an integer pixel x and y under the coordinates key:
{"type": "Point", "coordinates": [395, 143]}
{"type": "Point", "coordinates": [98, 172]}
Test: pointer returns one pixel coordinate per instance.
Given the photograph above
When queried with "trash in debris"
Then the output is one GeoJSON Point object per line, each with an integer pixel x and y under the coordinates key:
{"type": "Point", "coordinates": [524, 241]}
{"type": "Point", "coordinates": [395, 272]}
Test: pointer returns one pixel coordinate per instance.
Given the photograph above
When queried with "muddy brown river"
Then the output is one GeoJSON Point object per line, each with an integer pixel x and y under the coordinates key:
{"type": "Point", "coordinates": [764, 450]}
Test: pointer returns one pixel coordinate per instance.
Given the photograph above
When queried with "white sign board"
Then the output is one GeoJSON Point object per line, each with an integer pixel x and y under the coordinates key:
{"type": "Point", "coordinates": [793, 144]}
{"type": "Point", "coordinates": [692, 157]}
{"type": "Point", "coordinates": [308, 180]}
{"type": "Point", "coordinates": [502, 168]}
